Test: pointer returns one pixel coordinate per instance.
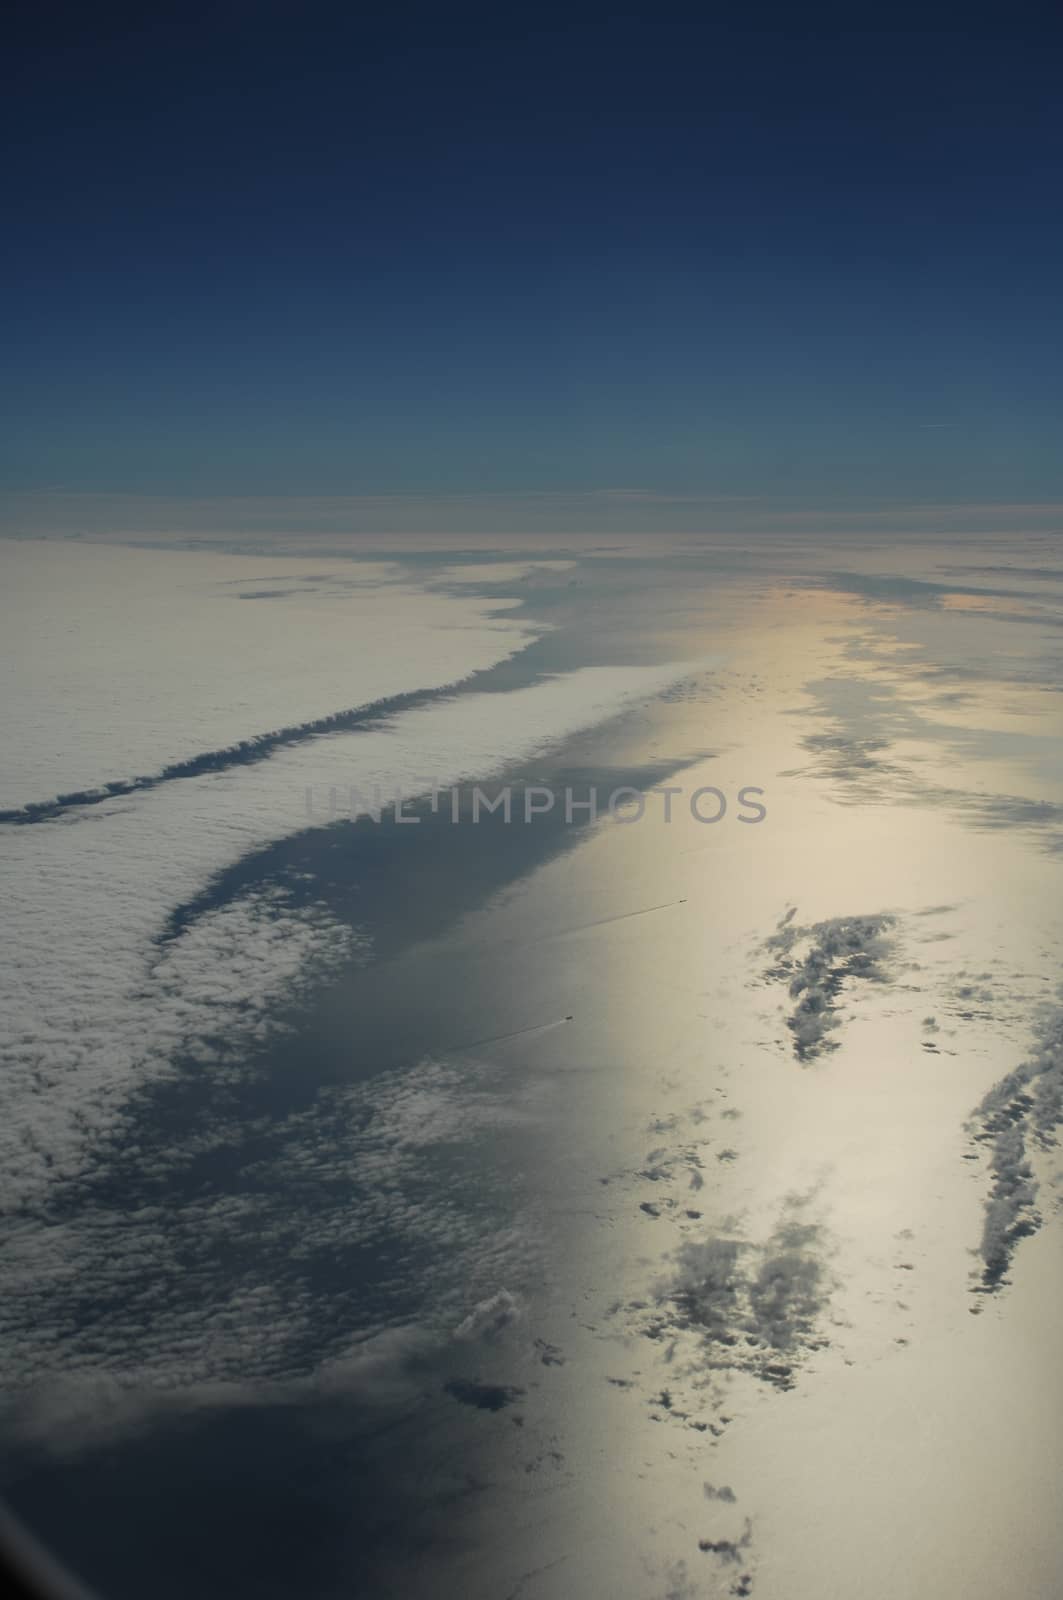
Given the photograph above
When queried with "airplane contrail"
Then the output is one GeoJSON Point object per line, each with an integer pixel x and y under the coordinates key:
{"type": "Point", "coordinates": [621, 916]}
{"type": "Point", "coordinates": [517, 1033]}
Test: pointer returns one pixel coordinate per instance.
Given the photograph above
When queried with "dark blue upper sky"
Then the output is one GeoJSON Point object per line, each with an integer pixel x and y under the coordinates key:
{"type": "Point", "coordinates": [279, 249]}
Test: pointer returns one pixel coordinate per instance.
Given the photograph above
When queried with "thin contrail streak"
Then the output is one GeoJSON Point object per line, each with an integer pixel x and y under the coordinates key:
{"type": "Point", "coordinates": [622, 916]}
{"type": "Point", "coordinates": [517, 1033]}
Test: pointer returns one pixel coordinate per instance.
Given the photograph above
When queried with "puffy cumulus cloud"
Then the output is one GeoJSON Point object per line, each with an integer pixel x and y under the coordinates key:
{"type": "Point", "coordinates": [731, 1551]}
{"type": "Point", "coordinates": [709, 1284]}
{"type": "Point", "coordinates": [1018, 1118]}
{"type": "Point", "coordinates": [788, 1290]}
{"type": "Point", "coordinates": [754, 1305]}
{"type": "Point", "coordinates": [818, 962]}
{"type": "Point", "coordinates": [491, 1318]}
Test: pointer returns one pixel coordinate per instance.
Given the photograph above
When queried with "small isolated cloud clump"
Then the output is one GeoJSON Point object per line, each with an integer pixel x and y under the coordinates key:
{"type": "Point", "coordinates": [818, 962]}
{"type": "Point", "coordinates": [757, 1305]}
{"type": "Point", "coordinates": [491, 1318]}
{"type": "Point", "coordinates": [729, 1550]}
{"type": "Point", "coordinates": [1025, 1109]}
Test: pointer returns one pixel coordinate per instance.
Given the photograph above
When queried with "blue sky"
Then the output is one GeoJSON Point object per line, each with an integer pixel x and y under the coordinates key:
{"type": "Point", "coordinates": [272, 250]}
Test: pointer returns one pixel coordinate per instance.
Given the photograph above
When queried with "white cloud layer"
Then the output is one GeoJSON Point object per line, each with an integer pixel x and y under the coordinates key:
{"type": "Point", "coordinates": [89, 1011]}
{"type": "Point", "coordinates": [118, 662]}
{"type": "Point", "coordinates": [99, 1002]}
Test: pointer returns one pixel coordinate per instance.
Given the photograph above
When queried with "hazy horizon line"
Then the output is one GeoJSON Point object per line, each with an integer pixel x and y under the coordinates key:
{"type": "Point", "coordinates": [59, 511]}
